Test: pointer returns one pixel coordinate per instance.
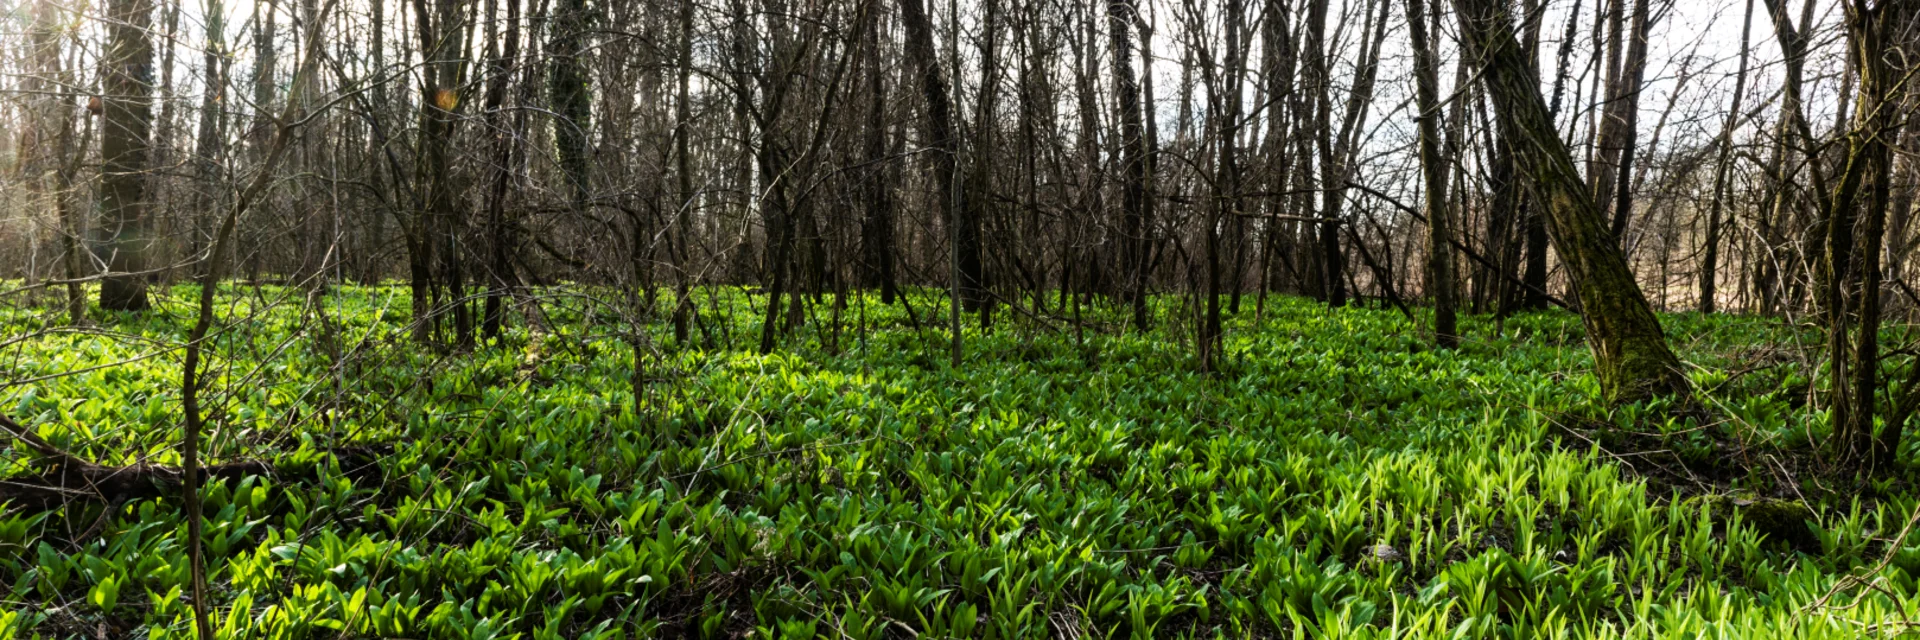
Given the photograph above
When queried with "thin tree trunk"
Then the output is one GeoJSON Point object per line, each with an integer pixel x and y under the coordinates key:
{"type": "Point", "coordinates": [1278, 67]}
{"type": "Point", "coordinates": [1778, 263]}
{"type": "Point", "coordinates": [1440, 284]}
{"type": "Point", "coordinates": [683, 211]}
{"type": "Point", "coordinates": [941, 138]}
{"type": "Point", "coordinates": [1623, 119]}
{"type": "Point", "coordinates": [876, 230]}
{"type": "Point", "coordinates": [505, 143]}
{"type": "Point", "coordinates": [984, 150]}
{"type": "Point", "coordinates": [440, 34]}
{"type": "Point", "coordinates": [1337, 154]}
{"type": "Point", "coordinates": [1093, 175]}
{"type": "Point", "coordinates": [1710, 259]}
{"type": "Point", "coordinates": [1315, 71]}
{"type": "Point", "coordinates": [572, 96]}
{"type": "Point", "coordinates": [1136, 210]}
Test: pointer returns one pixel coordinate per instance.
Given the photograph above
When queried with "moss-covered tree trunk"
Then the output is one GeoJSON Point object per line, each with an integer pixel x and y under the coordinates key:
{"type": "Point", "coordinates": [1856, 219]}
{"type": "Point", "coordinates": [1630, 352]}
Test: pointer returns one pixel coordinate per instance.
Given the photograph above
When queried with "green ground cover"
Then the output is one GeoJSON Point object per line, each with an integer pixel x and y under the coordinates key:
{"type": "Point", "coordinates": [1339, 479]}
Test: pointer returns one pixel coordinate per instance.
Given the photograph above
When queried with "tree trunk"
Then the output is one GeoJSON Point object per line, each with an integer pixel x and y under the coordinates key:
{"type": "Point", "coordinates": [1620, 126]}
{"type": "Point", "coordinates": [1440, 284]}
{"type": "Point", "coordinates": [1278, 67]}
{"type": "Point", "coordinates": [1136, 222]}
{"type": "Point", "coordinates": [946, 149]}
{"type": "Point", "coordinates": [1778, 263]}
{"type": "Point", "coordinates": [984, 151]}
{"type": "Point", "coordinates": [572, 96]}
{"type": "Point", "coordinates": [685, 197]}
{"type": "Point", "coordinates": [1338, 149]}
{"type": "Point", "coordinates": [876, 228]}
{"type": "Point", "coordinates": [1854, 281]}
{"type": "Point", "coordinates": [210, 143]}
{"type": "Point", "coordinates": [46, 147]}
{"type": "Point", "coordinates": [126, 80]}
{"type": "Point", "coordinates": [443, 55]}
{"type": "Point", "coordinates": [1710, 259]}
{"type": "Point", "coordinates": [161, 221]}
{"type": "Point", "coordinates": [1631, 357]}
{"type": "Point", "coordinates": [505, 144]}
{"type": "Point", "coordinates": [1226, 206]}
{"type": "Point", "coordinates": [1315, 72]}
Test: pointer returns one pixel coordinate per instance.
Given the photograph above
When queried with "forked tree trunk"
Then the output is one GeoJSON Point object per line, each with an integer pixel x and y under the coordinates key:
{"type": "Point", "coordinates": [1277, 67]}
{"type": "Point", "coordinates": [946, 154]}
{"type": "Point", "coordinates": [1778, 262]}
{"type": "Point", "coordinates": [1226, 189]}
{"type": "Point", "coordinates": [1329, 262]}
{"type": "Point", "coordinates": [440, 31]}
{"type": "Point", "coordinates": [1620, 128]}
{"type": "Point", "coordinates": [1340, 148]}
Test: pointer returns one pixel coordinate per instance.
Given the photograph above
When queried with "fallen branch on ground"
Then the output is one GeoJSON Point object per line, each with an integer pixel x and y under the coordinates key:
{"type": "Point", "coordinates": [64, 477]}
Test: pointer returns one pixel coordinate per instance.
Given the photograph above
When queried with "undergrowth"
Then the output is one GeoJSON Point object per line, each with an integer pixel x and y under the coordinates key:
{"type": "Point", "coordinates": [1339, 479]}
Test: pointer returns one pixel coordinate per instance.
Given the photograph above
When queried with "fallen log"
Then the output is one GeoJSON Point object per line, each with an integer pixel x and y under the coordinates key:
{"type": "Point", "coordinates": [65, 482]}
{"type": "Point", "coordinates": [65, 477]}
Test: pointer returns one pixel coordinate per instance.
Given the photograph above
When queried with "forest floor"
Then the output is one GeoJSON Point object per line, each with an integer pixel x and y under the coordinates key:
{"type": "Point", "coordinates": [1337, 479]}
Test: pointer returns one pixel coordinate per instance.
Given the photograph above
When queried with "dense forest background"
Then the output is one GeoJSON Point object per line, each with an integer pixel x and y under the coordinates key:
{"type": "Point", "coordinates": [1013, 318]}
{"type": "Point", "coordinates": [1036, 148]}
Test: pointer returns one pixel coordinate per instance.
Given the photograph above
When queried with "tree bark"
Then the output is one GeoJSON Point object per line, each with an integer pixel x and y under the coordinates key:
{"type": "Point", "coordinates": [1778, 262]}
{"type": "Point", "coordinates": [984, 150]}
{"type": "Point", "coordinates": [1631, 356]}
{"type": "Point", "coordinates": [572, 96]}
{"type": "Point", "coordinates": [126, 80]}
{"type": "Point", "coordinates": [505, 144]}
{"type": "Point", "coordinates": [1854, 281]}
{"type": "Point", "coordinates": [1315, 74]}
{"type": "Point", "coordinates": [1338, 149]}
{"type": "Point", "coordinates": [1620, 122]}
{"type": "Point", "coordinates": [1440, 285]}
{"type": "Point", "coordinates": [876, 228]}
{"type": "Point", "coordinates": [444, 71]}
{"type": "Point", "coordinates": [1278, 67]}
{"type": "Point", "coordinates": [683, 212]}
{"type": "Point", "coordinates": [1136, 222]}
{"type": "Point", "coordinates": [945, 144]}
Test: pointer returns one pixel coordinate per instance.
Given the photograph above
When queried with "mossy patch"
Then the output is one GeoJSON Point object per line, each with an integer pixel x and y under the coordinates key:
{"type": "Point", "coordinates": [1782, 522]}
